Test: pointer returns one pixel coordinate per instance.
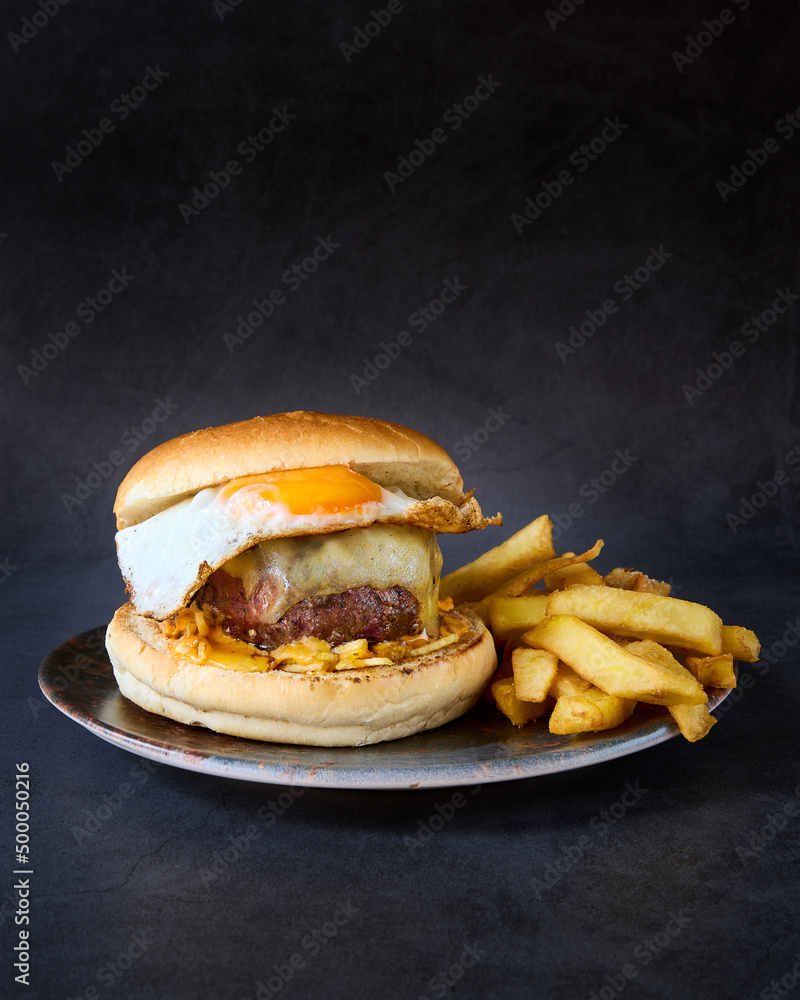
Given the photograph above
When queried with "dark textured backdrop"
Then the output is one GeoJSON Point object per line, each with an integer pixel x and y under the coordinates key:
{"type": "Point", "coordinates": [693, 442]}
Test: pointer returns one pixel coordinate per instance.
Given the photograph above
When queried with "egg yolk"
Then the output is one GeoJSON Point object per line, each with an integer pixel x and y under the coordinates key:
{"type": "Point", "coordinates": [331, 489]}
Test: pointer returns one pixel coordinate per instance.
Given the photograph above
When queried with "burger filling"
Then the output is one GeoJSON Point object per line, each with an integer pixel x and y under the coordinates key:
{"type": "Point", "coordinates": [196, 634]}
{"type": "Point", "coordinates": [378, 583]}
{"type": "Point", "coordinates": [363, 597]}
{"type": "Point", "coordinates": [358, 613]}
{"type": "Point", "coordinates": [167, 557]}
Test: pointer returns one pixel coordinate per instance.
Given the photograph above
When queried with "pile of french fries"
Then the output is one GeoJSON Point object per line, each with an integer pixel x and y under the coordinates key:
{"type": "Point", "coordinates": [587, 648]}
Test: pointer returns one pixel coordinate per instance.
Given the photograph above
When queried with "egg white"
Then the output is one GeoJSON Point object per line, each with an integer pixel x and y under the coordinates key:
{"type": "Point", "coordinates": [166, 558]}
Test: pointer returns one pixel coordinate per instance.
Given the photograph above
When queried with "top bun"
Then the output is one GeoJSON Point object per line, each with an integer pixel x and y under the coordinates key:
{"type": "Point", "coordinates": [388, 454]}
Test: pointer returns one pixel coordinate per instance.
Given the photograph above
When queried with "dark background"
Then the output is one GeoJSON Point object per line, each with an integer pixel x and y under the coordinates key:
{"type": "Point", "coordinates": [74, 427]}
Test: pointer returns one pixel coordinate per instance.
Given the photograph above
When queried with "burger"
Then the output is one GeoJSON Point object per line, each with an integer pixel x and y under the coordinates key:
{"type": "Point", "coordinates": [283, 575]}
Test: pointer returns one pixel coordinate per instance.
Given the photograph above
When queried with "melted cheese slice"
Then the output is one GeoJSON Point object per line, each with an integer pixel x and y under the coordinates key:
{"type": "Point", "coordinates": [279, 573]}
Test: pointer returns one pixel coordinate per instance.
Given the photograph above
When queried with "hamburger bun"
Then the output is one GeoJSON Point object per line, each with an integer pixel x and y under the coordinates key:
{"type": "Point", "coordinates": [386, 453]}
{"type": "Point", "coordinates": [177, 556]}
{"type": "Point", "coordinates": [346, 708]}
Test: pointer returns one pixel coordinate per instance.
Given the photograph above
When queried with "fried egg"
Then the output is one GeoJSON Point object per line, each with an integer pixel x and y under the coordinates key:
{"type": "Point", "coordinates": [168, 557]}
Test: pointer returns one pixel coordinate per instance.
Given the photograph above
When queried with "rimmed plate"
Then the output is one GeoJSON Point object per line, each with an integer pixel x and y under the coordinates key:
{"type": "Point", "coordinates": [480, 747]}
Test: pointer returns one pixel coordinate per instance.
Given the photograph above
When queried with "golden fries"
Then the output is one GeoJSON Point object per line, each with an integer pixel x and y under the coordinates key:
{"type": "Point", "coordinates": [648, 616]}
{"type": "Point", "coordinates": [568, 684]}
{"type": "Point", "coordinates": [614, 668]}
{"type": "Point", "coordinates": [534, 672]}
{"type": "Point", "coordinates": [587, 647]}
{"type": "Point", "coordinates": [589, 712]}
{"type": "Point", "coordinates": [631, 579]}
{"type": "Point", "coordinates": [570, 576]}
{"type": "Point", "coordinates": [741, 643]}
{"type": "Point", "coordinates": [694, 721]}
{"type": "Point", "coordinates": [712, 671]}
{"type": "Point", "coordinates": [530, 546]}
{"type": "Point", "coordinates": [519, 584]}
{"type": "Point", "coordinates": [510, 616]}
{"type": "Point", "coordinates": [518, 712]}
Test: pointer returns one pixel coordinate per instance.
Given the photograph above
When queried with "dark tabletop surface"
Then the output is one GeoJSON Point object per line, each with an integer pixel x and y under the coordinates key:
{"type": "Point", "coordinates": [560, 240]}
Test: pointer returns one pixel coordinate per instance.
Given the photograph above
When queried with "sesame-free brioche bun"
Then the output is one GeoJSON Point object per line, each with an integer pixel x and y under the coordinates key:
{"type": "Point", "coordinates": [340, 708]}
{"type": "Point", "coordinates": [386, 453]}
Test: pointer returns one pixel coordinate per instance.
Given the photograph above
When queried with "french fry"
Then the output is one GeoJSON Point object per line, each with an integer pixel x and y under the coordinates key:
{"type": "Point", "coordinates": [631, 579]}
{"type": "Point", "coordinates": [519, 584]}
{"type": "Point", "coordinates": [649, 616]}
{"type": "Point", "coordinates": [589, 712]}
{"type": "Point", "coordinates": [712, 671]}
{"type": "Point", "coordinates": [568, 684]}
{"type": "Point", "coordinates": [741, 643]}
{"type": "Point", "coordinates": [509, 616]}
{"type": "Point", "coordinates": [653, 652]}
{"type": "Point", "coordinates": [570, 576]}
{"type": "Point", "coordinates": [518, 712]}
{"type": "Point", "coordinates": [589, 647]}
{"type": "Point", "coordinates": [613, 669]}
{"type": "Point", "coordinates": [530, 577]}
{"type": "Point", "coordinates": [694, 721]}
{"type": "Point", "coordinates": [534, 672]}
{"type": "Point", "coordinates": [528, 547]}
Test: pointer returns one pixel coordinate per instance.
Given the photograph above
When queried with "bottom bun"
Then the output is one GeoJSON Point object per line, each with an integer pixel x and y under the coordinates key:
{"type": "Point", "coordinates": [343, 708]}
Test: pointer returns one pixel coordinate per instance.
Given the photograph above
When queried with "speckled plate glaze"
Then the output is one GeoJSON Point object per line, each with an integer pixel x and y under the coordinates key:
{"type": "Point", "coordinates": [480, 747]}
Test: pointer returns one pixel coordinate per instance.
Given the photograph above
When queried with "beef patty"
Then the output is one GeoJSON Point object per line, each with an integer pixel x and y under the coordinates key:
{"type": "Point", "coordinates": [359, 613]}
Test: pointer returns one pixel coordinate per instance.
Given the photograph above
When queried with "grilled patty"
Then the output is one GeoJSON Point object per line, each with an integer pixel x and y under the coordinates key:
{"type": "Point", "coordinates": [359, 613]}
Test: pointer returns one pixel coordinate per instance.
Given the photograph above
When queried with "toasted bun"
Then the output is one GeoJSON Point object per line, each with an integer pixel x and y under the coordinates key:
{"type": "Point", "coordinates": [386, 453]}
{"type": "Point", "coordinates": [348, 708]}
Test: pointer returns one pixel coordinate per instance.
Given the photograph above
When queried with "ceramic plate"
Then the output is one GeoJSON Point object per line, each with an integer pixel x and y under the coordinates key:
{"type": "Point", "coordinates": [482, 746]}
